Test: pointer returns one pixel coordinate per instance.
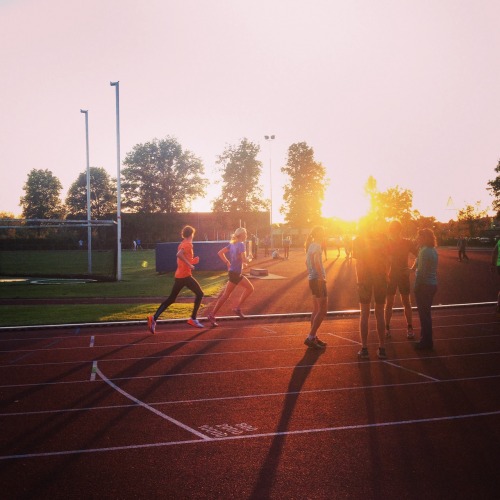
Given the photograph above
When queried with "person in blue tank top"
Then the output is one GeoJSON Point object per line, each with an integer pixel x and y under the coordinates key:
{"type": "Point", "coordinates": [235, 257]}
{"type": "Point", "coordinates": [426, 285]}
{"type": "Point", "coordinates": [317, 285]}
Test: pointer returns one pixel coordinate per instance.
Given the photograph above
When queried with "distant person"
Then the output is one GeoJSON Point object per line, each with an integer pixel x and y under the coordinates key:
{"type": "Point", "coordinates": [426, 285]}
{"type": "Point", "coordinates": [370, 249]}
{"type": "Point", "coordinates": [134, 245]}
{"type": "Point", "coordinates": [276, 254]}
{"type": "Point", "coordinates": [324, 247]}
{"type": "Point", "coordinates": [462, 248]}
{"type": "Point", "coordinates": [139, 246]}
{"type": "Point", "coordinates": [495, 263]}
{"type": "Point", "coordinates": [80, 244]}
{"type": "Point", "coordinates": [317, 285]}
{"type": "Point", "coordinates": [237, 259]}
{"type": "Point", "coordinates": [286, 246]}
{"type": "Point", "coordinates": [347, 241]}
{"type": "Point", "coordinates": [255, 246]}
{"type": "Point", "coordinates": [399, 277]}
{"type": "Point", "coordinates": [183, 278]}
{"type": "Point", "coordinates": [267, 243]}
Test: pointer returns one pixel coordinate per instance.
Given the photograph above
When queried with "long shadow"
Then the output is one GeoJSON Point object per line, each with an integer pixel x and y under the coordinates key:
{"type": "Point", "coordinates": [265, 481]}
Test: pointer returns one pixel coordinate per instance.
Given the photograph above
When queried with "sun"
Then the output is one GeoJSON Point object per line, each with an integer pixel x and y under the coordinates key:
{"type": "Point", "coordinates": [345, 205]}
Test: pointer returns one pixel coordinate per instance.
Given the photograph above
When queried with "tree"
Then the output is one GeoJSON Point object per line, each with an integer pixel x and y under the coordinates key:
{"type": "Point", "coordinates": [102, 195]}
{"type": "Point", "coordinates": [396, 203]}
{"type": "Point", "coordinates": [304, 194]}
{"type": "Point", "coordinates": [159, 177]}
{"type": "Point", "coordinates": [474, 218]}
{"type": "Point", "coordinates": [494, 187]}
{"type": "Point", "coordinates": [42, 196]}
{"type": "Point", "coordinates": [240, 171]}
{"type": "Point", "coordinates": [371, 191]}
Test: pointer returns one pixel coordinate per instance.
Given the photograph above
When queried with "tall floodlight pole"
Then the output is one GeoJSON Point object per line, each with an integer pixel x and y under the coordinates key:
{"type": "Point", "coordinates": [269, 139]}
{"type": "Point", "coordinates": [89, 217]}
{"type": "Point", "coordinates": [118, 185]}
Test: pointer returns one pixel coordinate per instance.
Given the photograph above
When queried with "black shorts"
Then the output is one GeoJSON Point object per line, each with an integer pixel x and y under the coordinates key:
{"type": "Point", "coordinates": [375, 286]}
{"type": "Point", "coordinates": [399, 280]}
{"type": "Point", "coordinates": [235, 278]}
{"type": "Point", "coordinates": [318, 288]}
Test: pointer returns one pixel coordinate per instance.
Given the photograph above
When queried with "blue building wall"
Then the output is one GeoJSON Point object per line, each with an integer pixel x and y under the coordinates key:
{"type": "Point", "coordinates": [166, 260]}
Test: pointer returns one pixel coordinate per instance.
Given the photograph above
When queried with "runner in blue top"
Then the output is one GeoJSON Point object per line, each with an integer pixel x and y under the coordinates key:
{"type": "Point", "coordinates": [237, 259]}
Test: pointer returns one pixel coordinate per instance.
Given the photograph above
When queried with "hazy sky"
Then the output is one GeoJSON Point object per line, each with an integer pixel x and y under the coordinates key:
{"type": "Point", "coordinates": [407, 91]}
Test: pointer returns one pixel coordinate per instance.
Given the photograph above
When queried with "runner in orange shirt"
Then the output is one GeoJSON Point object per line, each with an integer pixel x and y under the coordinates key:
{"type": "Point", "coordinates": [183, 278]}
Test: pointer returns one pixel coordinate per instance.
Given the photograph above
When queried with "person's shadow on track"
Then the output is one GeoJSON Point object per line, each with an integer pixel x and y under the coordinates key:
{"type": "Point", "coordinates": [265, 481]}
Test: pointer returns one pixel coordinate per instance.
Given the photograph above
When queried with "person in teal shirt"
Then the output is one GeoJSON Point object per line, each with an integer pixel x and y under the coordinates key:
{"type": "Point", "coordinates": [426, 285]}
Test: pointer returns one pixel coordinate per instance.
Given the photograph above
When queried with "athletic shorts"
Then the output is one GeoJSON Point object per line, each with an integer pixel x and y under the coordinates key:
{"type": "Point", "coordinates": [235, 278]}
{"type": "Point", "coordinates": [375, 286]}
{"type": "Point", "coordinates": [318, 288]}
{"type": "Point", "coordinates": [399, 280]}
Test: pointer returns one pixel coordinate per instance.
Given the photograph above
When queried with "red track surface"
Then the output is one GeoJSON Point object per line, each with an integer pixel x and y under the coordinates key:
{"type": "Point", "coordinates": [246, 411]}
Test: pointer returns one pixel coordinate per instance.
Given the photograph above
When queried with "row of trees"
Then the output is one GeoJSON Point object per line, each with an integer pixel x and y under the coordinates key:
{"type": "Point", "coordinates": [160, 177]}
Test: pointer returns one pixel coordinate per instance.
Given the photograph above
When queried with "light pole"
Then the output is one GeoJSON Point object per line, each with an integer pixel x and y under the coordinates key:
{"type": "Point", "coordinates": [118, 185]}
{"type": "Point", "coordinates": [269, 139]}
{"type": "Point", "coordinates": [89, 228]}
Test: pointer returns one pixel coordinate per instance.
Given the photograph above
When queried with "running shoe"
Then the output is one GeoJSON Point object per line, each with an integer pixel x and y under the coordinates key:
{"type": "Point", "coordinates": [151, 324]}
{"type": "Point", "coordinates": [212, 319]}
{"type": "Point", "coordinates": [381, 353]}
{"type": "Point", "coordinates": [238, 312]}
{"type": "Point", "coordinates": [320, 342]}
{"type": "Point", "coordinates": [195, 323]}
{"type": "Point", "coordinates": [312, 344]}
{"type": "Point", "coordinates": [363, 354]}
{"type": "Point", "coordinates": [410, 334]}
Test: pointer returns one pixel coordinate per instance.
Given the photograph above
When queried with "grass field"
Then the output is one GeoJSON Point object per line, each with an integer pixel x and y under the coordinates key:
{"type": "Point", "coordinates": [140, 279]}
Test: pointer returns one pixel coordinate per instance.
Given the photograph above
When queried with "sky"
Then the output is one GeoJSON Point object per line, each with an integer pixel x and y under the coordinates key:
{"type": "Point", "coordinates": [406, 91]}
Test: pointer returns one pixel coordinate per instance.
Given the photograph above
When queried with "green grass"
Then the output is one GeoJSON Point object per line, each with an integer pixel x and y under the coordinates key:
{"type": "Point", "coordinates": [139, 279]}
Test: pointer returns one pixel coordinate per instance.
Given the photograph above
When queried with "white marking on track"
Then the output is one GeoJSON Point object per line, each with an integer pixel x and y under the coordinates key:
{"type": "Point", "coordinates": [262, 395]}
{"type": "Point", "coordinates": [411, 371]}
{"type": "Point", "coordinates": [254, 436]}
{"type": "Point", "coordinates": [92, 341]}
{"type": "Point", "coordinates": [93, 371]}
{"type": "Point", "coordinates": [150, 408]}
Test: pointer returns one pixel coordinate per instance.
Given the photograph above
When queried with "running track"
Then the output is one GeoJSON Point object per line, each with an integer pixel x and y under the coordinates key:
{"type": "Point", "coordinates": [246, 411]}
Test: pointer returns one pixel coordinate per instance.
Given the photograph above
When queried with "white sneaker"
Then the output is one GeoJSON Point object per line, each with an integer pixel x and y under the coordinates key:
{"type": "Point", "coordinates": [195, 323]}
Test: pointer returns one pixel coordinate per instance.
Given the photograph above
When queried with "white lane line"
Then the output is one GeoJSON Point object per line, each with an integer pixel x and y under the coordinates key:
{"type": "Point", "coordinates": [411, 371]}
{"type": "Point", "coordinates": [150, 408]}
{"type": "Point", "coordinates": [357, 342]}
{"type": "Point", "coordinates": [92, 339]}
{"type": "Point", "coordinates": [246, 338]}
{"type": "Point", "coordinates": [243, 370]}
{"type": "Point", "coordinates": [93, 371]}
{"type": "Point", "coordinates": [269, 330]}
{"type": "Point", "coordinates": [257, 396]}
{"type": "Point", "coordinates": [254, 436]}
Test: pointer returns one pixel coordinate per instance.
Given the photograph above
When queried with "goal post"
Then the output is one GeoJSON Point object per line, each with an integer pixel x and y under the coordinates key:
{"type": "Point", "coordinates": [58, 248]}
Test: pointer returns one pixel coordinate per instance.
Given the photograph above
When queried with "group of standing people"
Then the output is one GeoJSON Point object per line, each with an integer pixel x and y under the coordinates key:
{"type": "Point", "coordinates": [381, 269]}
